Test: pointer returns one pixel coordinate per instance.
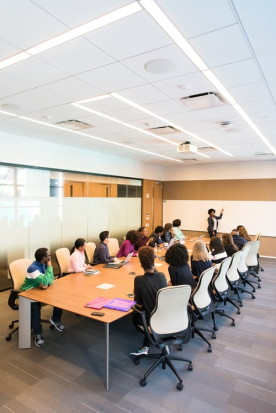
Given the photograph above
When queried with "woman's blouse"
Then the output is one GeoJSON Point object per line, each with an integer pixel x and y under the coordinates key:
{"type": "Point", "coordinates": [77, 261]}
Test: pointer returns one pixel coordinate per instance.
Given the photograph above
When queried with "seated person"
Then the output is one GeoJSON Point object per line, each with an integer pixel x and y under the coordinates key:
{"type": "Point", "coordinates": [146, 288]}
{"type": "Point", "coordinates": [177, 231]}
{"type": "Point", "coordinates": [128, 245]}
{"type": "Point", "coordinates": [200, 259]}
{"type": "Point", "coordinates": [77, 258]}
{"type": "Point", "coordinates": [101, 254]}
{"type": "Point", "coordinates": [243, 234]}
{"type": "Point", "coordinates": [40, 274]}
{"type": "Point", "coordinates": [167, 233]}
{"type": "Point", "coordinates": [156, 237]}
{"type": "Point", "coordinates": [238, 241]}
{"type": "Point", "coordinates": [228, 244]}
{"type": "Point", "coordinates": [217, 250]}
{"type": "Point", "coordinates": [180, 273]}
{"type": "Point", "coordinates": [143, 240]}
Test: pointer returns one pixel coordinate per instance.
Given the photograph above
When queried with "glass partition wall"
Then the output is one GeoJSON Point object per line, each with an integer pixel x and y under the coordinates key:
{"type": "Point", "coordinates": [46, 208]}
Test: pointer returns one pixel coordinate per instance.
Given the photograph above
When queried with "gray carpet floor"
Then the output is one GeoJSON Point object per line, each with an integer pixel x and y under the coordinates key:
{"type": "Point", "coordinates": [66, 375]}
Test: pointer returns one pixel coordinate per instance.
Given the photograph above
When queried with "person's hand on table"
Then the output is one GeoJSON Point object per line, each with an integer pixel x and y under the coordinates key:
{"type": "Point", "coordinates": [115, 259]}
{"type": "Point", "coordinates": [169, 283]}
{"type": "Point", "coordinates": [43, 287]}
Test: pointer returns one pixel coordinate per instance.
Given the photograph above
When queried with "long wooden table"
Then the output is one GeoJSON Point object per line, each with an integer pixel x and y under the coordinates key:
{"type": "Point", "coordinates": [72, 292]}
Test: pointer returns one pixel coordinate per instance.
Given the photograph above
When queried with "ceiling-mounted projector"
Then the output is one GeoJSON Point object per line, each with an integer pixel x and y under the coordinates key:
{"type": "Point", "coordinates": [186, 147]}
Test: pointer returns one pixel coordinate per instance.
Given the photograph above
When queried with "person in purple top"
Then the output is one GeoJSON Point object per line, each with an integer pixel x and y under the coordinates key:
{"type": "Point", "coordinates": [128, 245]}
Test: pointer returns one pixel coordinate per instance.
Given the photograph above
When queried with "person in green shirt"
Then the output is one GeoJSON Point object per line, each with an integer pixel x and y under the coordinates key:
{"type": "Point", "coordinates": [40, 275]}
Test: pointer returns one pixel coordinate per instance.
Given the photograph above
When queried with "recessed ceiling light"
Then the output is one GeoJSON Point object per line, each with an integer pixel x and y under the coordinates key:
{"type": "Point", "coordinates": [160, 66]}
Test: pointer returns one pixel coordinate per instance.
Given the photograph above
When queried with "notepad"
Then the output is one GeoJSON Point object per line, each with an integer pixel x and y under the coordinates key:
{"type": "Point", "coordinates": [120, 304]}
{"type": "Point", "coordinates": [97, 303]}
{"type": "Point", "coordinates": [105, 286]}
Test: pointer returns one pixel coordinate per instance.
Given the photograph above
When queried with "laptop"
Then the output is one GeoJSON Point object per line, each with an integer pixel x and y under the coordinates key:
{"type": "Point", "coordinates": [118, 264]}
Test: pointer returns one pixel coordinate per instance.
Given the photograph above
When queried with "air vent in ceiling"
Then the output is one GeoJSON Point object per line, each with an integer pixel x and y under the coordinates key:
{"type": "Point", "coordinates": [75, 124]}
{"type": "Point", "coordinates": [187, 160]}
{"type": "Point", "coordinates": [264, 155]}
{"type": "Point", "coordinates": [202, 101]}
{"type": "Point", "coordinates": [206, 149]}
{"type": "Point", "coordinates": [164, 130]}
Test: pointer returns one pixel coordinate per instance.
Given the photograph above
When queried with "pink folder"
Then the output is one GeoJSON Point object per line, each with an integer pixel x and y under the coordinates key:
{"type": "Point", "coordinates": [98, 303]}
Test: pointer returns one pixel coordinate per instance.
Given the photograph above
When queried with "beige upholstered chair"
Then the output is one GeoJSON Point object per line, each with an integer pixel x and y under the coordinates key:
{"type": "Point", "coordinates": [113, 246]}
{"type": "Point", "coordinates": [63, 260]}
{"type": "Point", "coordinates": [90, 248]}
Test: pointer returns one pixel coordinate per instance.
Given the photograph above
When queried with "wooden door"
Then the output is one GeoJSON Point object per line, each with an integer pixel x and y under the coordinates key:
{"type": "Point", "coordinates": [152, 204]}
{"type": "Point", "coordinates": [73, 189]}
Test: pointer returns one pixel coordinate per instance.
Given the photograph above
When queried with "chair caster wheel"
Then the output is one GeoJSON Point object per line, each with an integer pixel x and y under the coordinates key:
{"type": "Point", "coordinates": [136, 362]}
{"type": "Point", "coordinates": [241, 304]}
{"type": "Point", "coordinates": [214, 336]}
{"type": "Point", "coordinates": [215, 328]}
{"type": "Point", "coordinates": [11, 326]}
{"type": "Point", "coordinates": [143, 382]}
{"type": "Point", "coordinates": [233, 323]}
{"type": "Point", "coordinates": [52, 327]}
{"type": "Point", "coordinates": [259, 286]}
{"type": "Point", "coordinates": [209, 350]}
{"type": "Point", "coordinates": [190, 367]}
{"type": "Point", "coordinates": [179, 386]}
{"type": "Point", "coordinates": [253, 297]}
{"type": "Point", "coordinates": [180, 347]}
{"type": "Point", "coordinates": [8, 338]}
{"type": "Point", "coordinates": [254, 290]}
{"type": "Point", "coordinates": [238, 312]}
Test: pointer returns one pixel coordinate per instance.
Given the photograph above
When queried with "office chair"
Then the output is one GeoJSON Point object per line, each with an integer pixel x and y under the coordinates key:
{"type": "Point", "coordinates": [252, 260]}
{"type": "Point", "coordinates": [169, 324]}
{"type": "Point", "coordinates": [233, 276]}
{"type": "Point", "coordinates": [18, 271]}
{"type": "Point", "coordinates": [220, 290]}
{"type": "Point", "coordinates": [113, 246]}
{"type": "Point", "coordinates": [257, 237]}
{"type": "Point", "coordinates": [243, 272]}
{"type": "Point", "coordinates": [203, 305]}
{"type": "Point", "coordinates": [63, 260]}
{"type": "Point", "coordinates": [90, 249]}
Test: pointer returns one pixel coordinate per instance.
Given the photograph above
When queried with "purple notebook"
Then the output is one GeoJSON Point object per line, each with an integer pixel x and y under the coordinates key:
{"type": "Point", "coordinates": [97, 303]}
{"type": "Point", "coordinates": [120, 304]}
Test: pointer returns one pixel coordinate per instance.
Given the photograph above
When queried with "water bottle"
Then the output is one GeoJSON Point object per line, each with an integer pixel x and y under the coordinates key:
{"type": "Point", "coordinates": [155, 247]}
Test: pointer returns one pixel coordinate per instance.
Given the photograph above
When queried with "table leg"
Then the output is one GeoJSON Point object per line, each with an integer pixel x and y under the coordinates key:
{"type": "Point", "coordinates": [24, 335]}
{"type": "Point", "coordinates": [107, 356]}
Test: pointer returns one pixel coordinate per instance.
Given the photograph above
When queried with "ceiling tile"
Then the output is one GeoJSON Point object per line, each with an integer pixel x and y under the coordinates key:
{"type": "Point", "coordinates": [182, 65]}
{"type": "Point", "coordinates": [7, 50]}
{"type": "Point", "coordinates": [183, 86]}
{"type": "Point", "coordinates": [221, 47]}
{"type": "Point", "coordinates": [254, 91]}
{"type": "Point", "coordinates": [166, 107]}
{"type": "Point", "coordinates": [238, 73]}
{"type": "Point", "coordinates": [112, 78]}
{"type": "Point", "coordinates": [196, 17]}
{"type": "Point", "coordinates": [76, 56]}
{"type": "Point", "coordinates": [222, 112]}
{"type": "Point", "coordinates": [24, 24]}
{"type": "Point", "coordinates": [144, 94]}
{"type": "Point", "coordinates": [10, 86]}
{"type": "Point", "coordinates": [72, 89]}
{"type": "Point", "coordinates": [124, 38]}
{"type": "Point", "coordinates": [34, 72]}
{"type": "Point", "coordinates": [75, 13]}
{"type": "Point", "coordinates": [259, 105]}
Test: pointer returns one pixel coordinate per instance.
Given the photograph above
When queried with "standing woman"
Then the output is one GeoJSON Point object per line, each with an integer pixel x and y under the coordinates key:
{"type": "Point", "coordinates": [77, 258]}
{"type": "Point", "coordinates": [213, 222]}
{"type": "Point", "coordinates": [200, 259]}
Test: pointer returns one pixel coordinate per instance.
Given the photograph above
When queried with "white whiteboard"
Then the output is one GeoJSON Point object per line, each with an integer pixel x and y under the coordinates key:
{"type": "Point", "coordinates": [256, 216]}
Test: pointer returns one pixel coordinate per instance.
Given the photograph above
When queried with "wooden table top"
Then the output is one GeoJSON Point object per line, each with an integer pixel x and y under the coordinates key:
{"type": "Point", "coordinates": [73, 291]}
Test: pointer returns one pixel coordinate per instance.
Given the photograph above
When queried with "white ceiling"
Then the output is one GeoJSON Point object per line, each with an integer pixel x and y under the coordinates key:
{"type": "Point", "coordinates": [236, 39]}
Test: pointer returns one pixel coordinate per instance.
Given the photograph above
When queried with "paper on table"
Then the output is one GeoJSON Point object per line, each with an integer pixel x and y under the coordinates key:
{"type": "Point", "coordinates": [157, 264]}
{"type": "Point", "coordinates": [105, 286]}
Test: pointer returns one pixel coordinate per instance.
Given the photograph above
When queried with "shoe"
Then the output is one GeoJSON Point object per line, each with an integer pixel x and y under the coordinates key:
{"type": "Point", "coordinates": [38, 340]}
{"type": "Point", "coordinates": [143, 350]}
{"type": "Point", "coordinates": [57, 324]}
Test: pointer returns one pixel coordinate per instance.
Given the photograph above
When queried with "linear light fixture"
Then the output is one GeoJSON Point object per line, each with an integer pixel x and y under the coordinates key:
{"type": "Point", "coordinates": [98, 139]}
{"type": "Point", "coordinates": [167, 121]}
{"type": "Point", "coordinates": [7, 113]}
{"type": "Point", "coordinates": [160, 17]}
{"type": "Point", "coordinates": [103, 115]}
{"type": "Point", "coordinates": [95, 24]}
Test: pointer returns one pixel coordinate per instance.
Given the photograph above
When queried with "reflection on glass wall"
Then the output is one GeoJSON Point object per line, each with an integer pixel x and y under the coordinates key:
{"type": "Point", "coordinates": [42, 208]}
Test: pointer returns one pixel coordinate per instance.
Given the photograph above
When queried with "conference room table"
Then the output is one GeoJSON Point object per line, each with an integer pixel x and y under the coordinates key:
{"type": "Point", "coordinates": [73, 291]}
